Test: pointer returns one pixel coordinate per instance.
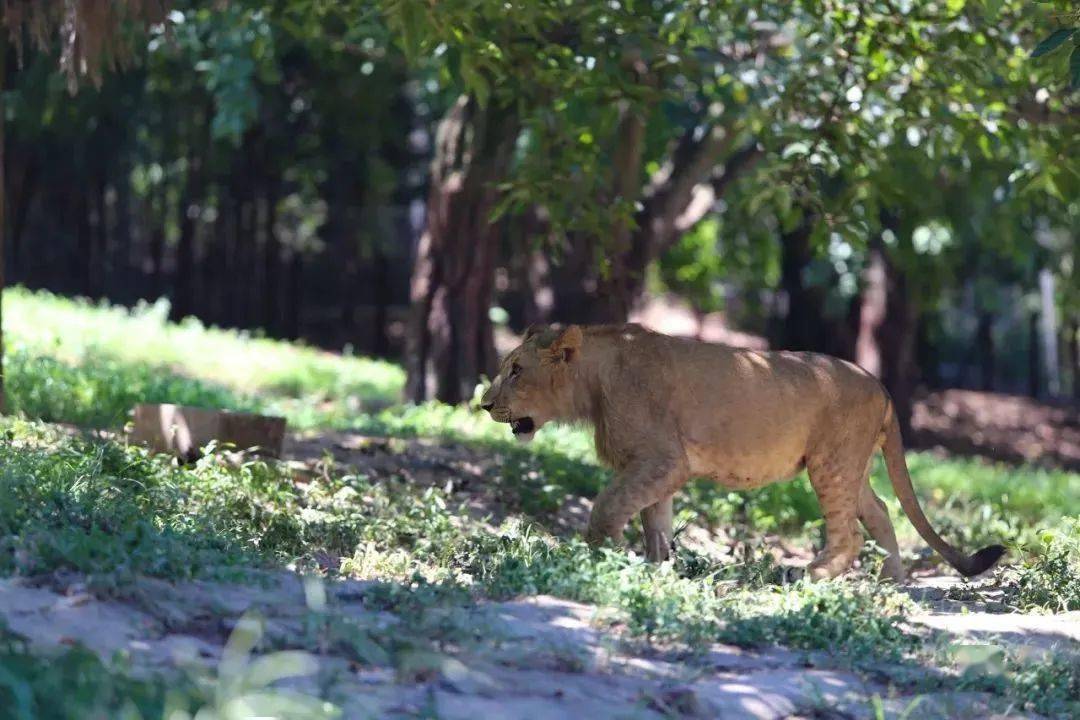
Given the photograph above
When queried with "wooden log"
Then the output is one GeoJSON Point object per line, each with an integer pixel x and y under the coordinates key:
{"type": "Point", "coordinates": [184, 431]}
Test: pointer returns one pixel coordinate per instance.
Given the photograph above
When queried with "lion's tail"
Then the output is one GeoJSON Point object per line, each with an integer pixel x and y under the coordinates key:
{"type": "Point", "coordinates": [893, 450]}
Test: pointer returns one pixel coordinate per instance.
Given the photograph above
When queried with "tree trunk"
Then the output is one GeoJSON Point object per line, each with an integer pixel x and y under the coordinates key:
{"type": "Point", "coordinates": [234, 265]}
{"type": "Point", "coordinates": [802, 327]}
{"type": "Point", "coordinates": [157, 240]}
{"type": "Point", "coordinates": [183, 294]}
{"type": "Point", "coordinates": [576, 286]}
{"type": "Point", "coordinates": [621, 286]}
{"type": "Point", "coordinates": [872, 310]}
{"type": "Point", "coordinates": [122, 242]}
{"type": "Point", "coordinates": [296, 294]}
{"type": "Point", "coordinates": [383, 297]}
{"type": "Point", "coordinates": [898, 346]}
{"type": "Point", "coordinates": [211, 271]}
{"type": "Point", "coordinates": [1074, 356]}
{"type": "Point", "coordinates": [191, 201]}
{"type": "Point", "coordinates": [246, 257]}
{"type": "Point", "coordinates": [342, 235]}
{"type": "Point", "coordinates": [1034, 362]}
{"type": "Point", "coordinates": [272, 264]}
{"type": "Point", "coordinates": [885, 346]}
{"type": "Point", "coordinates": [984, 347]}
{"type": "Point", "coordinates": [83, 267]}
{"type": "Point", "coordinates": [100, 272]}
{"type": "Point", "coordinates": [675, 199]}
{"type": "Point", "coordinates": [1048, 331]}
{"type": "Point", "coordinates": [681, 195]}
{"type": "Point", "coordinates": [21, 202]}
{"type": "Point", "coordinates": [451, 341]}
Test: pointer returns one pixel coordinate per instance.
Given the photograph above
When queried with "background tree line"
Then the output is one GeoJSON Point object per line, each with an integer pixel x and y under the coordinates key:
{"type": "Point", "coordinates": [890, 182]}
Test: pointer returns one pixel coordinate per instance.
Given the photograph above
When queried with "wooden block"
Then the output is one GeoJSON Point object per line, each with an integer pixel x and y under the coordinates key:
{"type": "Point", "coordinates": [183, 430]}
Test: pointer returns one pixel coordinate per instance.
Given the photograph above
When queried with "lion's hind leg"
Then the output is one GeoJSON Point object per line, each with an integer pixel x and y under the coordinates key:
{"type": "Point", "coordinates": [837, 481]}
{"type": "Point", "coordinates": [875, 518]}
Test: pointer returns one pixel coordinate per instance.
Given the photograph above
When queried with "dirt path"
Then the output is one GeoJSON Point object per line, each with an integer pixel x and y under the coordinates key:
{"type": "Point", "coordinates": [1010, 428]}
{"type": "Point", "coordinates": [537, 658]}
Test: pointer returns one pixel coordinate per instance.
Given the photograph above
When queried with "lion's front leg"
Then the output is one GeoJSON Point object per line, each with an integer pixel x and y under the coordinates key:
{"type": "Point", "coordinates": [657, 525]}
{"type": "Point", "coordinates": [641, 485]}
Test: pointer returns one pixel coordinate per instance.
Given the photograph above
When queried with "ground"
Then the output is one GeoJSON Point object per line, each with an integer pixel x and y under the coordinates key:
{"type": "Point", "coordinates": [1001, 427]}
{"type": "Point", "coordinates": [416, 562]}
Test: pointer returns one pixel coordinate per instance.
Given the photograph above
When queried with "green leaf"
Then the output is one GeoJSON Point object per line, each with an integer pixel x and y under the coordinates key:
{"type": "Point", "coordinates": [1074, 68]}
{"type": "Point", "coordinates": [474, 81]}
{"type": "Point", "coordinates": [1052, 42]}
{"type": "Point", "coordinates": [993, 8]}
{"type": "Point", "coordinates": [412, 22]}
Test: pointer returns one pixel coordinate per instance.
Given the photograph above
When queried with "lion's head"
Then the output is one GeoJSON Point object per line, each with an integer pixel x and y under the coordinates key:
{"type": "Point", "coordinates": [531, 386]}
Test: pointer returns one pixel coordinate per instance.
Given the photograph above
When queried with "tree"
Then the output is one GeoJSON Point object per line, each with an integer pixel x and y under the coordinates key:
{"type": "Point", "coordinates": [637, 118]}
{"type": "Point", "coordinates": [573, 87]}
{"type": "Point", "coordinates": [92, 35]}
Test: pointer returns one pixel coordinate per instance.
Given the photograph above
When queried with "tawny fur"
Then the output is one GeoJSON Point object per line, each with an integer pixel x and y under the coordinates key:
{"type": "Point", "coordinates": [665, 409]}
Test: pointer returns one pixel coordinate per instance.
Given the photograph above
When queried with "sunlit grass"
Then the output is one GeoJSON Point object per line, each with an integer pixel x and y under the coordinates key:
{"type": "Point", "coordinates": [106, 357]}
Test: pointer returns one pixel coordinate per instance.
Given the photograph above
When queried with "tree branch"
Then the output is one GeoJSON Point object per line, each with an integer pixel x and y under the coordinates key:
{"type": "Point", "coordinates": [671, 188]}
{"type": "Point", "coordinates": [706, 194]}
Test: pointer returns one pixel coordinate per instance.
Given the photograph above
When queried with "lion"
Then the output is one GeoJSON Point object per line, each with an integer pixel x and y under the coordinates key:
{"type": "Point", "coordinates": [665, 409]}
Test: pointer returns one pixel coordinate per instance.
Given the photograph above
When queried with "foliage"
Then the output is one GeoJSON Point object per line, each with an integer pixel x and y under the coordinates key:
{"type": "Point", "coordinates": [1050, 685]}
{"type": "Point", "coordinates": [101, 391]}
{"type": "Point", "coordinates": [71, 685]}
{"type": "Point", "coordinates": [692, 268]}
{"type": "Point", "coordinates": [1058, 38]}
{"type": "Point", "coordinates": [1050, 576]}
{"type": "Point", "coordinates": [926, 124]}
{"type": "Point", "coordinates": [107, 510]}
{"type": "Point", "coordinates": [661, 605]}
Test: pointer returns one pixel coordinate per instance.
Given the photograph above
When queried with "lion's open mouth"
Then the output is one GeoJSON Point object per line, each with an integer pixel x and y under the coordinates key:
{"type": "Point", "coordinates": [522, 426]}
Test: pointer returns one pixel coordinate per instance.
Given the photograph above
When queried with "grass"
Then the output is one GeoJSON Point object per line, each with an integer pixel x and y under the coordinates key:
{"type": "Point", "coordinates": [113, 512]}
{"type": "Point", "coordinates": [70, 500]}
{"type": "Point", "coordinates": [84, 363]}
{"type": "Point", "coordinates": [1049, 576]}
{"type": "Point", "coordinates": [74, 684]}
{"type": "Point", "coordinates": [71, 684]}
{"type": "Point", "coordinates": [70, 361]}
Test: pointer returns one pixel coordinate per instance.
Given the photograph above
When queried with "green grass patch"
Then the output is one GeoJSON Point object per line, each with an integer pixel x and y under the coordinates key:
{"type": "Point", "coordinates": [113, 511]}
{"type": "Point", "coordinates": [1049, 576]}
{"type": "Point", "coordinates": [73, 684]}
{"type": "Point", "coordinates": [85, 363]}
{"type": "Point", "coordinates": [662, 603]}
{"type": "Point", "coordinates": [101, 391]}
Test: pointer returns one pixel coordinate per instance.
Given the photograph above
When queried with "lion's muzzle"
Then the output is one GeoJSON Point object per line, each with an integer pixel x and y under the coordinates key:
{"type": "Point", "coordinates": [522, 426]}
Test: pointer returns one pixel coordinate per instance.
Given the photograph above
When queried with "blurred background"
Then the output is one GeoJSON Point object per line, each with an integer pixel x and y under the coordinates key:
{"type": "Point", "coordinates": [419, 182]}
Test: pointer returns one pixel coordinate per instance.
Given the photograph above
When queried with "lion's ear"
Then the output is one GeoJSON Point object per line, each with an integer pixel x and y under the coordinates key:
{"type": "Point", "coordinates": [533, 330]}
{"type": "Point", "coordinates": [566, 346]}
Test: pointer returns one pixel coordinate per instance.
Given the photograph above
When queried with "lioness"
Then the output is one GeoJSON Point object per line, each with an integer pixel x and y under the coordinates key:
{"type": "Point", "coordinates": [665, 409]}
